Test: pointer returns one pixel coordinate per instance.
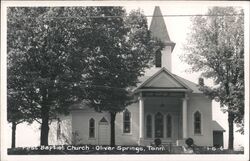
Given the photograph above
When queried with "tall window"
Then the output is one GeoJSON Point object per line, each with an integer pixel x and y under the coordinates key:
{"type": "Point", "coordinates": [158, 125]}
{"type": "Point", "coordinates": [197, 122]}
{"type": "Point", "coordinates": [126, 121]}
{"type": "Point", "coordinates": [91, 128]}
{"type": "Point", "coordinates": [149, 126]}
{"type": "Point", "coordinates": [169, 126]}
{"type": "Point", "coordinates": [158, 58]}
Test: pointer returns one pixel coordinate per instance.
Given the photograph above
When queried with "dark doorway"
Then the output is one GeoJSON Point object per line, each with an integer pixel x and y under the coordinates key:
{"type": "Point", "coordinates": [218, 139]}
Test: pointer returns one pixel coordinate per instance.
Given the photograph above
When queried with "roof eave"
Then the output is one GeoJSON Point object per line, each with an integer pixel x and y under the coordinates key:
{"type": "Point", "coordinates": [170, 43]}
{"type": "Point", "coordinates": [220, 130]}
{"type": "Point", "coordinates": [160, 90]}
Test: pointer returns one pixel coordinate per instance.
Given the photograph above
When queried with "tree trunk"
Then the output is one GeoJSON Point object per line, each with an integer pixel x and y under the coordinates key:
{"type": "Point", "coordinates": [44, 125]}
{"type": "Point", "coordinates": [112, 128]}
{"type": "Point", "coordinates": [231, 131]}
{"type": "Point", "coordinates": [13, 137]}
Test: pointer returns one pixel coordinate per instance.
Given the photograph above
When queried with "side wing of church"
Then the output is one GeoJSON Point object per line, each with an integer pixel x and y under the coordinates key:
{"type": "Point", "coordinates": [168, 107]}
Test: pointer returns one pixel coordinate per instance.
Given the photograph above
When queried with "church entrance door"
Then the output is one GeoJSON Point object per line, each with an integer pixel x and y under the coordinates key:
{"type": "Point", "coordinates": [104, 132]}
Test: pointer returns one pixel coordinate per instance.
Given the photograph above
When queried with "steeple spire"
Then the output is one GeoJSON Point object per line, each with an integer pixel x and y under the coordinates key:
{"type": "Point", "coordinates": [159, 31]}
{"type": "Point", "coordinates": [158, 28]}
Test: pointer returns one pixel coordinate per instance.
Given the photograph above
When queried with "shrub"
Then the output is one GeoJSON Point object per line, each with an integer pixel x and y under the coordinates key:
{"type": "Point", "coordinates": [189, 142]}
{"type": "Point", "coordinates": [157, 142]}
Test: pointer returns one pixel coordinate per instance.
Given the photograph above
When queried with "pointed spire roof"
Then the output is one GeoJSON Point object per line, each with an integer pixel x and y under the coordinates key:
{"type": "Point", "coordinates": [158, 28]}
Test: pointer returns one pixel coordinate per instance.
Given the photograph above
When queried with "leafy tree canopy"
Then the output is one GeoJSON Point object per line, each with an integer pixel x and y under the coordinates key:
{"type": "Point", "coordinates": [216, 49]}
{"type": "Point", "coordinates": [119, 58]}
{"type": "Point", "coordinates": [61, 55]}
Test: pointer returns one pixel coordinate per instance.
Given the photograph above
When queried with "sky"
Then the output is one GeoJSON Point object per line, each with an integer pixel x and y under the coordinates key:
{"type": "Point", "coordinates": [178, 29]}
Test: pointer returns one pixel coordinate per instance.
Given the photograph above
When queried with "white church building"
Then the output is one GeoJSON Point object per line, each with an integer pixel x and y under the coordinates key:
{"type": "Point", "coordinates": [168, 107]}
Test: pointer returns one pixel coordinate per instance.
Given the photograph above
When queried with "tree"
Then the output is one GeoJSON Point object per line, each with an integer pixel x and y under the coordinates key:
{"type": "Point", "coordinates": [14, 118]}
{"type": "Point", "coordinates": [67, 54]}
{"type": "Point", "coordinates": [47, 60]}
{"type": "Point", "coordinates": [123, 50]}
{"type": "Point", "coordinates": [15, 114]}
{"type": "Point", "coordinates": [216, 49]}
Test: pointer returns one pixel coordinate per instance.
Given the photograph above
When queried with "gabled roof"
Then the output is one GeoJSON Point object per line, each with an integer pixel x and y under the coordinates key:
{"type": "Point", "coordinates": [191, 85]}
{"type": "Point", "coordinates": [158, 28]}
{"type": "Point", "coordinates": [103, 120]}
{"type": "Point", "coordinates": [216, 126]}
{"type": "Point", "coordinates": [79, 106]}
{"type": "Point", "coordinates": [163, 79]}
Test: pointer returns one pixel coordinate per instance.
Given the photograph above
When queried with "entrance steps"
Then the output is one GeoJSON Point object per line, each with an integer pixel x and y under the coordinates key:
{"type": "Point", "coordinates": [177, 150]}
{"type": "Point", "coordinates": [170, 146]}
{"type": "Point", "coordinates": [173, 148]}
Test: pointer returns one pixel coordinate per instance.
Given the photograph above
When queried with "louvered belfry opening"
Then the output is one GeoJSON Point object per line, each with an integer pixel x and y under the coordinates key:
{"type": "Point", "coordinates": [159, 32]}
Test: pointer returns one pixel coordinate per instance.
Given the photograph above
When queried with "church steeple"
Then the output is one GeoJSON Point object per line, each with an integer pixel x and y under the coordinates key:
{"type": "Point", "coordinates": [159, 31]}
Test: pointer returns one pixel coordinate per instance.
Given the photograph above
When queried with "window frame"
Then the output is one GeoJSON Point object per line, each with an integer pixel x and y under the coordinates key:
{"type": "Point", "coordinates": [91, 136]}
{"type": "Point", "coordinates": [129, 121]}
{"type": "Point", "coordinates": [151, 126]}
{"type": "Point", "coordinates": [158, 61]}
{"type": "Point", "coordinates": [156, 123]}
{"type": "Point", "coordinates": [197, 131]}
{"type": "Point", "coordinates": [169, 125]}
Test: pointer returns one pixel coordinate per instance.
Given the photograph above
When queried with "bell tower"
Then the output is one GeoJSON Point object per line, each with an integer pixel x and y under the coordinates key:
{"type": "Point", "coordinates": [159, 31]}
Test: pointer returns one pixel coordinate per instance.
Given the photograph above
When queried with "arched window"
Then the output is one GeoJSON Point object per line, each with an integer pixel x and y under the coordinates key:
{"type": "Point", "coordinates": [149, 126]}
{"type": "Point", "coordinates": [197, 122]}
{"type": "Point", "coordinates": [91, 128]}
{"type": "Point", "coordinates": [158, 125]}
{"type": "Point", "coordinates": [126, 121]}
{"type": "Point", "coordinates": [158, 58]}
{"type": "Point", "coordinates": [169, 126]}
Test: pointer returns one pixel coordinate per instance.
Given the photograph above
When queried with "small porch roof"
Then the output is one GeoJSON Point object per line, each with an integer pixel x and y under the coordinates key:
{"type": "Point", "coordinates": [217, 127]}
